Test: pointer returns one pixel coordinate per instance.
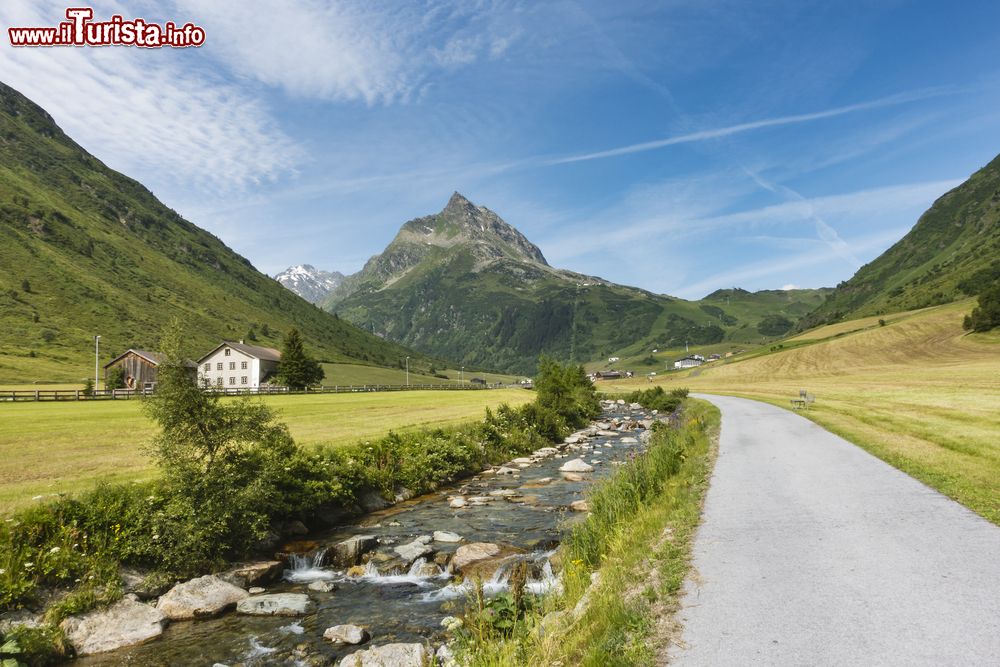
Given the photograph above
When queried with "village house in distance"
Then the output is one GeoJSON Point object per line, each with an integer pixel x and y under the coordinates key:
{"type": "Point", "coordinates": [238, 366]}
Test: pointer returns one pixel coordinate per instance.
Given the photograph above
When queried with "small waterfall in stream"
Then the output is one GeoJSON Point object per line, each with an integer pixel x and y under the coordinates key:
{"type": "Point", "coordinates": [306, 568]}
{"type": "Point", "coordinates": [420, 573]}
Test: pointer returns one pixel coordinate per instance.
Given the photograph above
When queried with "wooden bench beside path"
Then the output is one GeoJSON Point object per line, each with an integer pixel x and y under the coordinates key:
{"type": "Point", "coordinates": [804, 400]}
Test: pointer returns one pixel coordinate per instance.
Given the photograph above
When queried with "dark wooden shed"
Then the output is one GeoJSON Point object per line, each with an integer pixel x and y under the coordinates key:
{"type": "Point", "coordinates": [140, 368]}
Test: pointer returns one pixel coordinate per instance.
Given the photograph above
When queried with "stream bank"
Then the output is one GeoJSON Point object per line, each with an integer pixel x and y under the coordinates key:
{"type": "Point", "coordinates": [398, 572]}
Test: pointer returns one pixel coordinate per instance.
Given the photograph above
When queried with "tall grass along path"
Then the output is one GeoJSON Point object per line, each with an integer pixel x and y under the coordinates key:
{"type": "Point", "coordinates": [814, 552]}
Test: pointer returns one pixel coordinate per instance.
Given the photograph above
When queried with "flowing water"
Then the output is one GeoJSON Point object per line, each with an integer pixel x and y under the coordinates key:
{"type": "Point", "coordinates": [393, 600]}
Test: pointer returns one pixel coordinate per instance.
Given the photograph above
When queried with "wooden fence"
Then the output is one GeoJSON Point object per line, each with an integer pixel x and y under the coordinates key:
{"type": "Point", "coordinates": [126, 394]}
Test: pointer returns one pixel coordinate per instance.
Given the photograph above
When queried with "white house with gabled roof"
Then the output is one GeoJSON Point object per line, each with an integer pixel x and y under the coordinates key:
{"type": "Point", "coordinates": [238, 366]}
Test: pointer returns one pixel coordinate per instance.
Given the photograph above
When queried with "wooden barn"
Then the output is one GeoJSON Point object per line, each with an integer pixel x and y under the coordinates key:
{"type": "Point", "coordinates": [139, 368]}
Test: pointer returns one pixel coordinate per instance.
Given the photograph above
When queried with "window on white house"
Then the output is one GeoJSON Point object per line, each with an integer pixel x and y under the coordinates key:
{"type": "Point", "coordinates": [243, 380]}
{"type": "Point", "coordinates": [218, 366]}
{"type": "Point", "coordinates": [218, 382]}
{"type": "Point", "coordinates": [208, 367]}
{"type": "Point", "coordinates": [228, 351]}
{"type": "Point", "coordinates": [243, 365]}
{"type": "Point", "coordinates": [232, 380]}
{"type": "Point", "coordinates": [232, 365]}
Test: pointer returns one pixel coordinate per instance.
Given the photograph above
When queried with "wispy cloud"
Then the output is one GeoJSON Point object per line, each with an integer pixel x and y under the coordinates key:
{"type": "Point", "coordinates": [729, 130]}
{"type": "Point", "coordinates": [370, 52]}
{"type": "Point", "coordinates": [146, 114]}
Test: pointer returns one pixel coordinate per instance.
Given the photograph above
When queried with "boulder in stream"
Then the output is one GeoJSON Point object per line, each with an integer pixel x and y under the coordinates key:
{"type": "Point", "coordinates": [468, 554]}
{"type": "Point", "coordinates": [580, 506]}
{"type": "Point", "coordinates": [576, 465]}
{"type": "Point", "coordinates": [350, 551]}
{"type": "Point", "coordinates": [573, 477]}
{"type": "Point", "coordinates": [199, 598]}
{"type": "Point", "coordinates": [446, 536]}
{"type": "Point", "coordinates": [390, 655]}
{"type": "Point", "coordinates": [413, 550]}
{"type": "Point", "coordinates": [322, 586]}
{"type": "Point", "coordinates": [246, 575]}
{"type": "Point", "coordinates": [456, 502]}
{"type": "Point", "coordinates": [346, 634]}
{"type": "Point", "coordinates": [276, 604]}
{"type": "Point", "coordinates": [126, 623]}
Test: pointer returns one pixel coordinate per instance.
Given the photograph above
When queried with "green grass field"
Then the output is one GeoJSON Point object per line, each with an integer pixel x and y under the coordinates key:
{"type": "Point", "coordinates": [48, 448]}
{"type": "Point", "coordinates": [919, 393]}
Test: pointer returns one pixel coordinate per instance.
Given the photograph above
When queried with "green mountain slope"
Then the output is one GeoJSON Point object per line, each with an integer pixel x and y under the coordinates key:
{"type": "Point", "coordinates": [85, 250]}
{"type": "Point", "coordinates": [957, 237]}
{"type": "Point", "coordinates": [465, 285]}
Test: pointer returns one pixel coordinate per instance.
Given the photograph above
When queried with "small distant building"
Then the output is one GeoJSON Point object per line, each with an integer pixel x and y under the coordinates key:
{"type": "Point", "coordinates": [714, 357]}
{"type": "Point", "coordinates": [238, 366]}
{"type": "Point", "coordinates": [612, 360]}
{"type": "Point", "coordinates": [688, 362]}
{"type": "Point", "coordinates": [479, 381]}
{"type": "Point", "coordinates": [139, 368]}
{"type": "Point", "coordinates": [608, 375]}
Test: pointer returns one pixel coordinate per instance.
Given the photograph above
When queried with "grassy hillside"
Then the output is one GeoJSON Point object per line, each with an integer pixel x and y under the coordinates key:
{"type": "Point", "coordinates": [88, 251]}
{"type": "Point", "coordinates": [66, 447]}
{"type": "Point", "coordinates": [918, 392]}
{"type": "Point", "coordinates": [957, 237]}
{"type": "Point", "coordinates": [465, 285]}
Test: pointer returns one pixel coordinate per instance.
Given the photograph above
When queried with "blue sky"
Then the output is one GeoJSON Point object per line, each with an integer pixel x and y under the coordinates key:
{"type": "Point", "coordinates": [677, 146]}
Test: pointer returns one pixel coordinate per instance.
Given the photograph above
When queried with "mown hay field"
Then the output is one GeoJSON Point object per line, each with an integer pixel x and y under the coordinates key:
{"type": "Point", "coordinates": [50, 448]}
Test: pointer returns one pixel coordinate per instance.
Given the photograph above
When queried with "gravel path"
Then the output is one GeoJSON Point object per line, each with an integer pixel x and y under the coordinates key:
{"type": "Point", "coordinates": [814, 552]}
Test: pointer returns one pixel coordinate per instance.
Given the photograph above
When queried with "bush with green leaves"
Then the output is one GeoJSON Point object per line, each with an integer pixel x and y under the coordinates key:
{"type": "Point", "coordinates": [987, 315]}
{"type": "Point", "coordinates": [656, 398]}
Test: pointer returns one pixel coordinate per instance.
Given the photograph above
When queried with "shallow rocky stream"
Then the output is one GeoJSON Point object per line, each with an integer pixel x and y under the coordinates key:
{"type": "Point", "coordinates": [402, 596]}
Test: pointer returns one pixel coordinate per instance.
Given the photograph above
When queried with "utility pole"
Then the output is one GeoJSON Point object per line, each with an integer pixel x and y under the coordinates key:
{"type": "Point", "coordinates": [407, 371]}
{"type": "Point", "coordinates": [97, 361]}
{"type": "Point", "coordinates": [461, 376]}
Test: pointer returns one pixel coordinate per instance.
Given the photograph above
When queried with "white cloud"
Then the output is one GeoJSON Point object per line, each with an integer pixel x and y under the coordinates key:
{"type": "Point", "coordinates": [145, 112]}
{"type": "Point", "coordinates": [720, 132]}
{"type": "Point", "coordinates": [789, 286]}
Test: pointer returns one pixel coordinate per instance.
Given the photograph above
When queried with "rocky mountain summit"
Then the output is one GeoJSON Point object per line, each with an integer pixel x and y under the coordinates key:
{"type": "Point", "coordinates": [310, 283]}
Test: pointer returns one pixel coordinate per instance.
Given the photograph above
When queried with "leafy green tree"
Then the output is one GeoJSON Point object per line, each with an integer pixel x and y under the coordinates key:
{"type": "Point", "coordinates": [987, 315]}
{"type": "Point", "coordinates": [26, 286]}
{"type": "Point", "coordinates": [88, 388]}
{"type": "Point", "coordinates": [297, 369]}
{"type": "Point", "coordinates": [775, 325]}
{"type": "Point", "coordinates": [223, 462]}
{"type": "Point", "coordinates": [567, 391]}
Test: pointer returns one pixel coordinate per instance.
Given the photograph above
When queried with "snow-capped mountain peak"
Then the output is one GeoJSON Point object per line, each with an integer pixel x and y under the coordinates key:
{"type": "Point", "coordinates": [310, 283]}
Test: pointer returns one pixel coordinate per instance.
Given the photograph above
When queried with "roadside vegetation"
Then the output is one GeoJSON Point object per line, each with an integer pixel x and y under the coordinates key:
{"type": "Point", "coordinates": [623, 566]}
{"type": "Point", "coordinates": [231, 476]}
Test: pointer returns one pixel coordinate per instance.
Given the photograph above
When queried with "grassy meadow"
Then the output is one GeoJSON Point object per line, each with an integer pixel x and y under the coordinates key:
{"type": "Point", "coordinates": [918, 393]}
{"type": "Point", "coordinates": [48, 448]}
